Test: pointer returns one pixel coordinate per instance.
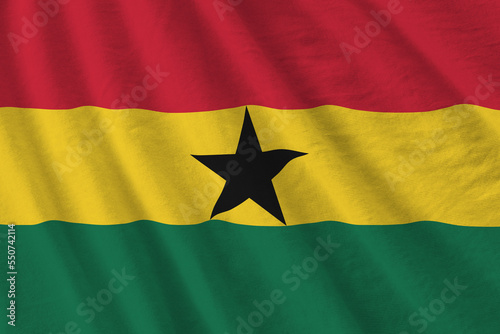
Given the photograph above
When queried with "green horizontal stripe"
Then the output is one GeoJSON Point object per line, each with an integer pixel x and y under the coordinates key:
{"type": "Point", "coordinates": [202, 278]}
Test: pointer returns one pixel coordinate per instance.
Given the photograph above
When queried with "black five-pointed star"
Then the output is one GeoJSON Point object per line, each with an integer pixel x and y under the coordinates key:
{"type": "Point", "coordinates": [249, 172]}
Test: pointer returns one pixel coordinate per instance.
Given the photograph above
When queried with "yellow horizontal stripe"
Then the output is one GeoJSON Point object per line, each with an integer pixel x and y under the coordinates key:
{"type": "Point", "coordinates": [97, 166]}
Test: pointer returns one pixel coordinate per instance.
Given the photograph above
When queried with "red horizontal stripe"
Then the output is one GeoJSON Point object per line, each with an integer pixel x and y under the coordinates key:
{"type": "Point", "coordinates": [281, 54]}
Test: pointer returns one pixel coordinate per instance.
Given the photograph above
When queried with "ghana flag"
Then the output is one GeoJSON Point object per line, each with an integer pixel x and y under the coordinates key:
{"type": "Point", "coordinates": [239, 167]}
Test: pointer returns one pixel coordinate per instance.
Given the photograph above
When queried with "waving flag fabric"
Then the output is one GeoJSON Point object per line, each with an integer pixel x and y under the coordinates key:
{"type": "Point", "coordinates": [245, 167]}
